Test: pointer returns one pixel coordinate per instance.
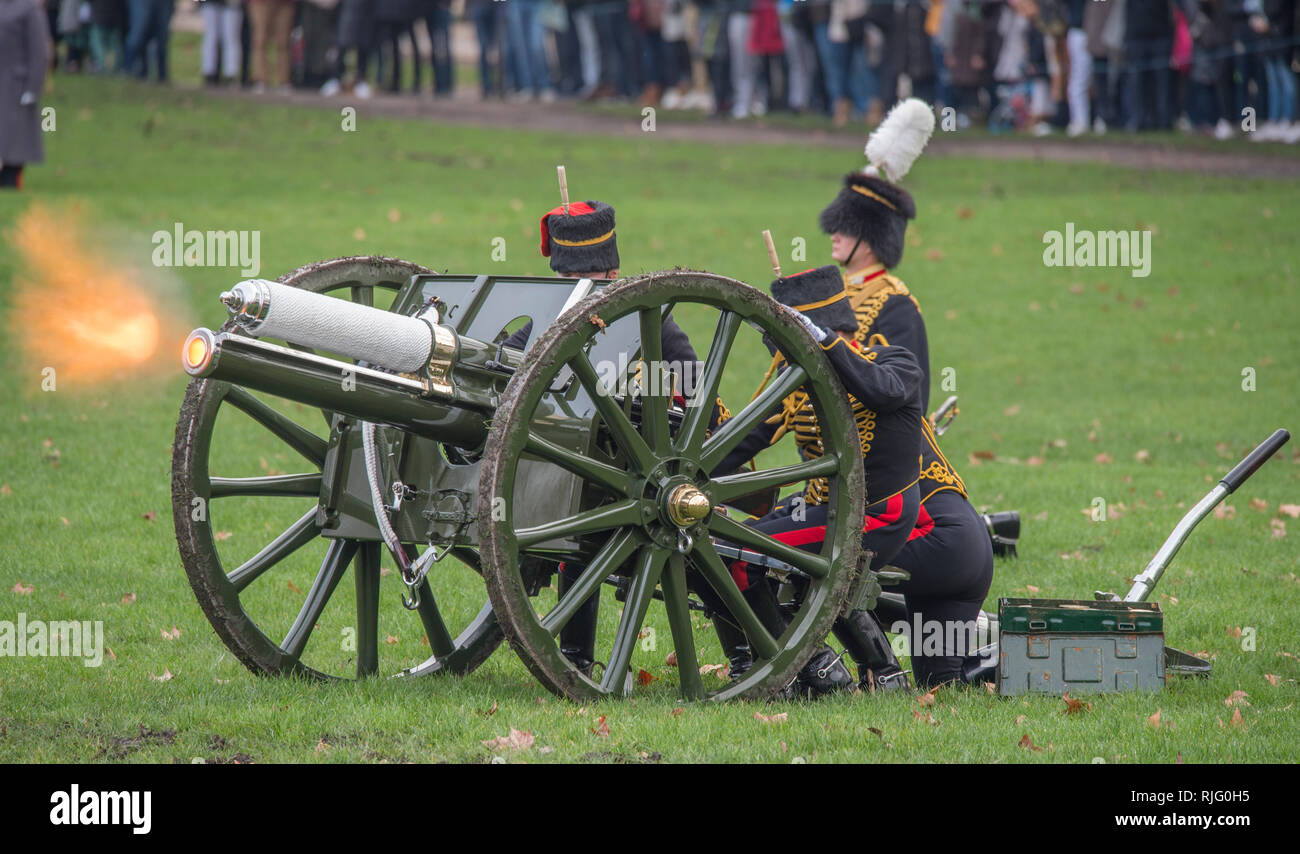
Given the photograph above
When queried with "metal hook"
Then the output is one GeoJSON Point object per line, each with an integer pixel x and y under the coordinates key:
{"type": "Point", "coordinates": [684, 542]}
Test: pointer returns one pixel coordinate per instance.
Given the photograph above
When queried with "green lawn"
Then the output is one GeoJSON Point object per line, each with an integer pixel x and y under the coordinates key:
{"type": "Point", "coordinates": [1055, 367]}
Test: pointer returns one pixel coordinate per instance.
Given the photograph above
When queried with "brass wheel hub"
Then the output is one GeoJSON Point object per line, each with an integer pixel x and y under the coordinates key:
{"type": "Point", "coordinates": [687, 505]}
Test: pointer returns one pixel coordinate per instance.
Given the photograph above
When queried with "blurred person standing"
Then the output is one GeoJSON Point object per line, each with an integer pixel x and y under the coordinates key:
{"type": "Point", "coordinates": [272, 22]}
{"type": "Point", "coordinates": [800, 54]}
{"type": "Point", "coordinates": [1210, 83]}
{"type": "Point", "coordinates": [24, 55]}
{"type": "Point", "coordinates": [1104, 32]}
{"type": "Point", "coordinates": [1080, 75]}
{"type": "Point", "coordinates": [222, 20]}
{"type": "Point", "coordinates": [355, 34]}
{"type": "Point", "coordinates": [393, 19]}
{"type": "Point", "coordinates": [1148, 45]}
{"type": "Point", "coordinates": [528, 50]}
{"type": "Point", "coordinates": [107, 34]}
{"type": "Point", "coordinates": [489, 26]}
{"type": "Point", "coordinates": [148, 32]}
{"type": "Point", "coordinates": [1274, 25]}
{"type": "Point", "coordinates": [907, 48]}
{"type": "Point", "coordinates": [436, 15]}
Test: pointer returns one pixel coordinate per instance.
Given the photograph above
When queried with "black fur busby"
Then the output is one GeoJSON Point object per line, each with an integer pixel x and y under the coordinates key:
{"type": "Point", "coordinates": [819, 294]}
{"type": "Point", "coordinates": [874, 211]}
{"type": "Point", "coordinates": [581, 241]}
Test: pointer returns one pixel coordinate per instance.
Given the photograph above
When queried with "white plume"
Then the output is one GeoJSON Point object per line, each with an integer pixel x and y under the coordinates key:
{"type": "Point", "coordinates": [899, 140]}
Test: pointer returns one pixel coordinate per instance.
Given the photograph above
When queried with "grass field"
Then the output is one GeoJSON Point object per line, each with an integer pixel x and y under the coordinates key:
{"type": "Point", "coordinates": [1075, 384]}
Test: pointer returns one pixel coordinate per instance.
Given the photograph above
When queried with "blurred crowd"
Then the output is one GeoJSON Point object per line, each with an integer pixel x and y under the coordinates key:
{"type": "Point", "coordinates": [1080, 66]}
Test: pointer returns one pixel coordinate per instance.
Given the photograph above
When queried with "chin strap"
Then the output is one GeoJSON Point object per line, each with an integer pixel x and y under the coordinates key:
{"type": "Point", "coordinates": [849, 260]}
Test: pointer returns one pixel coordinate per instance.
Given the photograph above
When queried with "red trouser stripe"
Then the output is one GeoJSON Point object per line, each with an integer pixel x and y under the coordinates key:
{"type": "Point", "coordinates": [924, 524]}
{"type": "Point", "coordinates": [817, 534]}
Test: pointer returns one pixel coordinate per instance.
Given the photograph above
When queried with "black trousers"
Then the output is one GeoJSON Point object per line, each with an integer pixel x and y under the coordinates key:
{"type": "Point", "coordinates": [950, 559]}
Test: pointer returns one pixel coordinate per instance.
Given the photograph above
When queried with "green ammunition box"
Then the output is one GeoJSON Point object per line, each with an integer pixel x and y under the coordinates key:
{"type": "Point", "coordinates": [1050, 646]}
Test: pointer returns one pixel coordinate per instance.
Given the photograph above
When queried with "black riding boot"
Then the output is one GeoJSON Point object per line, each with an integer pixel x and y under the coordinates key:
{"type": "Point", "coordinates": [865, 640]}
{"type": "Point", "coordinates": [578, 637]}
{"type": "Point", "coordinates": [1004, 531]}
{"type": "Point", "coordinates": [823, 673]}
{"type": "Point", "coordinates": [735, 646]}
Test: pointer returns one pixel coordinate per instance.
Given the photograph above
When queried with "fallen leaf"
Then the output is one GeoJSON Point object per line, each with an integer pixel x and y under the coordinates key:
{"type": "Point", "coordinates": [148, 515]}
{"type": "Point", "coordinates": [390, 640]}
{"type": "Point", "coordinates": [489, 712]}
{"type": "Point", "coordinates": [358, 233]}
{"type": "Point", "coordinates": [1277, 528]}
{"type": "Point", "coordinates": [602, 727]}
{"type": "Point", "coordinates": [1073, 706]}
{"type": "Point", "coordinates": [394, 215]}
{"type": "Point", "coordinates": [174, 634]}
{"type": "Point", "coordinates": [166, 675]}
{"type": "Point", "coordinates": [221, 536]}
{"type": "Point", "coordinates": [1035, 461]}
{"type": "Point", "coordinates": [964, 212]}
{"type": "Point", "coordinates": [1259, 504]}
{"type": "Point", "coordinates": [1020, 719]}
{"type": "Point", "coordinates": [989, 689]}
{"type": "Point", "coordinates": [778, 718]}
{"type": "Point", "coordinates": [676, 713]}
{"type": "Point", "coordinates": [1225, 511]}
{"type": "Point", "coordinates": [1154, 720]}
{"type": "Point", "coordinates": [1292, 510]}
{"type": "Point", "coordinates": [1103, 459]}
{"type": "Point", "coordinates": [880, 734]}
{"type": "Point", "coordinates": [1027, 743]}
{"type": "Point", "coordinates": [1179, 759]}
{"type": "Point", "coordinates": [1013, 409]}
{"type": "Point", "coordinates": [516, 740]}
{"type": "Point", "coordinates": [1272, 680]}
{"type": "Point", "coordinates": [926, 699]}
{"type": "Point", "coordinates": [128, 599]}
{"type": "Point", "coordinates": [22, 589]}
{"type": "Point", "coordinates": [706, 669]}
{"type": "Point", "coordinates": [1142, 456]}
{"type": "Point", "coordinates": [1236, 697]}
{"type": "Point", "coordinates": [5, 490]}
{"type": "Point", "coordinates": [322, 745]}
{"type": "Point", "coordinates": [671, 659]}
{"type": "Point", "coordinates": [113, 657]}
{"type": "Point", "coordinates": [1031, 588]}
{"type": "Point", "coordinates": [933, 255]}
{"type": "Point", "coordinates": [983, 455]}
{"type": "Point", "coordinates": [1237, 720]}
{"type": "Point", "coordinates": [644, 677]}
{"type": "Point", "coordinates": [293, 587]}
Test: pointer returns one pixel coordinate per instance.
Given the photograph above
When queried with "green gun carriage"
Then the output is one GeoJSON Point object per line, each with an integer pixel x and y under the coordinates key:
{"type": "Point", "coordinates": [416, 433]}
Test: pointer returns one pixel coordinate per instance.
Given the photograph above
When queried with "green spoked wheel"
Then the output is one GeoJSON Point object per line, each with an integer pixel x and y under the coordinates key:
{"type": "Point", "coordinates": [266, 575]}
{"type": "Point", "coordinates": [652, 512]}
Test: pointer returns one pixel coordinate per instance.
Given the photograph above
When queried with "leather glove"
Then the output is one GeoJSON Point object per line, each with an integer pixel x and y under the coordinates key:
{"type": "Point", "coordinates": [27, 99]}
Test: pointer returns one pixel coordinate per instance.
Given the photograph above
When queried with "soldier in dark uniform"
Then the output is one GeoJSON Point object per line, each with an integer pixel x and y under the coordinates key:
{"type": "Point", "coordinates": [867, 221]}
{"type": "Point", "coordinates": [884, 386]}
{"type": "Point", "coordinates": [950, 554]}
{"type": "Point", "coordinates": [582, 244]}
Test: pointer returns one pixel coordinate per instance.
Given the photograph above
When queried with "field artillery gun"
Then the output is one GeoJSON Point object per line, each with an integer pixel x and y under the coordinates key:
{"type": "Point", "coordinates": [439, 440]}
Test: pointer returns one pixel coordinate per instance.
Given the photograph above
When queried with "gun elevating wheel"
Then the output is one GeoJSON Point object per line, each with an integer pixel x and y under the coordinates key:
{"type": "Point", "coordinates": [257, 548]}
{"type": "Point", "coordinates": [654, 507]}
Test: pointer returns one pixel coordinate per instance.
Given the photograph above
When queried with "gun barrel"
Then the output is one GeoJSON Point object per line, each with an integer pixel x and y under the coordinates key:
{"type": "Point", "coordinates": [398, 400]}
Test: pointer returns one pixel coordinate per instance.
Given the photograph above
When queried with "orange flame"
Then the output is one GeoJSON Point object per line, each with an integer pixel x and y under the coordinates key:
{"type": "Point", "coordinates": [77, 308]}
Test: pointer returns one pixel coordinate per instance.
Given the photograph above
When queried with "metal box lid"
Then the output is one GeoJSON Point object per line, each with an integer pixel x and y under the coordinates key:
{"type": "Point", "coordinates": [1034, 616]}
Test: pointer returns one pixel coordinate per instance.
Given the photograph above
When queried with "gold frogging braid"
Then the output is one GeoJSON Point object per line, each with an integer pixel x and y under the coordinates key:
{"type": "Point", "coordinates": [939, 471]}
{"type": "Point", "coordinates": [797, 417]}
{"type": "Point", "coordinates": [868, 308]}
